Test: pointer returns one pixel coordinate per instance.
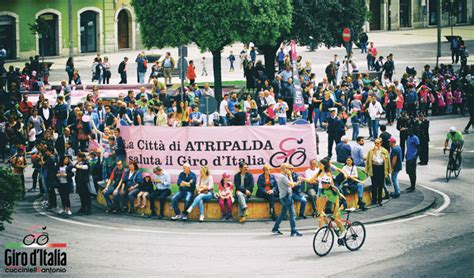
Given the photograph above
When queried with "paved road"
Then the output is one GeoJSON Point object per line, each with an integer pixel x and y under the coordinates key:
{"type": "Point", "coordinates": [438, 244]}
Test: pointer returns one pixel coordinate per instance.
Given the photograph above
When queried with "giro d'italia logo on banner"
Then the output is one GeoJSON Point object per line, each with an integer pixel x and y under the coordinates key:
{"type": "Point", "coordinates": [35, 254]}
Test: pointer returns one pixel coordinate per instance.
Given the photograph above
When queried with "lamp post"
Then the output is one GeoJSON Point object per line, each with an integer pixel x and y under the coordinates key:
{"type": "Point", "coordinates": [438, 21]}
{"type": "Point", "coordinates": [71, 41]}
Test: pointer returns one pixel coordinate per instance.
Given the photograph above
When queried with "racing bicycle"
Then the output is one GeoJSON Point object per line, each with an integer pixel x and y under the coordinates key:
{"type": "Point", "coordinates": [454, 165]}
{"type": "Point", "coordinates": [353, 239]}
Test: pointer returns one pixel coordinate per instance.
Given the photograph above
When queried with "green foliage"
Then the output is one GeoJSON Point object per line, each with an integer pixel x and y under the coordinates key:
{"type": "Point", "coordinates": [165, 22]}
{"type": "Point", "coordinates": [40, 27]}
{"type": "Point", "coordinates": [324, 20]}
{"type": "Point", "coordinates": [10, 192]}
{"type": "Point", "coordinates": [266, 21]}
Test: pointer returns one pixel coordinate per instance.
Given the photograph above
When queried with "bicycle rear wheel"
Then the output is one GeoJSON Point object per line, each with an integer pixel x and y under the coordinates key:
{"type": "Point", "coordinates": [355, 236]}
{"type": "Point", "coordinates": [323, 241]}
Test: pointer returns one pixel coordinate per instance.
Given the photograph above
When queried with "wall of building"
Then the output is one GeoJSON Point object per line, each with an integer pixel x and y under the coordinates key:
{"type": "Point", "coordinates": [419, 11]}
{"type": "Point", "coordinates": [26, 12]}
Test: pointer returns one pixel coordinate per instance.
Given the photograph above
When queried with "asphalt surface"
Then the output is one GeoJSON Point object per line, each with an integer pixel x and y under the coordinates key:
{"type": "Point", "coordinates": [430, 243]}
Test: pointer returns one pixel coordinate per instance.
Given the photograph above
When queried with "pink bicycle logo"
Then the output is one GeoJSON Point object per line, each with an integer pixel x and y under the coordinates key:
{"type": "Point", "coordinates": [40, 238]}
{"type": "Point", "coordinates": [294, 156]}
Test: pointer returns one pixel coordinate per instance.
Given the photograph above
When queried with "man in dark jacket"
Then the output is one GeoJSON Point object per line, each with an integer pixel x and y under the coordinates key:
{"type": "Point", "coordinates": [122, 70]}
{"type": "Point", "coordinates": [82, 179]}
{"type": "Point", "coordinates": [51, 180]}
{"type": "Point", "coordinates": [404, 123]}
{"type": "Point", "coordinates": [335, 129]}
{"type": "Point", "coordinates": [421, 128]}
{"type": "Point", "coordinates": [244, 183]}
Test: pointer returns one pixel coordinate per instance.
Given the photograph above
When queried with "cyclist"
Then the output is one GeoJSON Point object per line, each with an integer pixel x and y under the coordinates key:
{"type": "Point", "coordinates": [330, 204]}
{"type": "Point", "coordinates": [457, 143]}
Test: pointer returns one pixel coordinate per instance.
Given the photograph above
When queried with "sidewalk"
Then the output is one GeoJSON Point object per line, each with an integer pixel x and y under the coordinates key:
{"type": "Point", "coordinates": [407, 204]}
{"type": "Point", "coordinates": [413, 47]}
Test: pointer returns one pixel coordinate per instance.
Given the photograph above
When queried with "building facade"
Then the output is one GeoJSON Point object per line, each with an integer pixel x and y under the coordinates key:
{"type": "Point", "coordinates": [399, 14]}
{"type": "Point", "coordinates": [98, 26]}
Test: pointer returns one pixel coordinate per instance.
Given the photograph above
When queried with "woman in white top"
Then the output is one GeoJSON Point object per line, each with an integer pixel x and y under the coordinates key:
{"type": "Point", "coordinates": [353, 182]}
{"type": "Point", "coordinates": [204, 188]}
{"type": "Point", "coordinates": [161, 117]}
{"type": "Point", "coordinates": [148, 117]}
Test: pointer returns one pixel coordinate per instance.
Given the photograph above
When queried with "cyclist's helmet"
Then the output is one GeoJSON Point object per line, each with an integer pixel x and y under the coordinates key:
{"type": "Point", "coordinates": [326, 180]}
{"type": "Point", "coordinates": [452, 129]}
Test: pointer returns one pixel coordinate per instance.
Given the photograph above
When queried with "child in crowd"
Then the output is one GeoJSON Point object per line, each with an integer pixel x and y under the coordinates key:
{"type": "Point", "coordinates": [449, 101]}
{"type": "Point", "coordinates": [225, 197]}
{"type": "Point", "coordinates": [441, 103]}
{"type": "Point", "coordinates": [145, 189]}
{"type": "Point", "coordinates": [457, 101]}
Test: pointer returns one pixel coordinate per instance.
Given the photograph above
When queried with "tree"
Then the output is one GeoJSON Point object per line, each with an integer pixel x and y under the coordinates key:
{"type": "Point", "coordinates": [10, 193]}
{"type": "Point", "coordinates": [164, 23]}
{"type": "Point", "coordinates": [319, 22]}
{"type": "Point", "coordinates": [265, 25]}
{"type": "Point", "coordinates": [218, 25]}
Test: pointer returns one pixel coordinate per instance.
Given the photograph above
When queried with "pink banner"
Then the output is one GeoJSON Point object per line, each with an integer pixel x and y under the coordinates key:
{"type": "Point", "coordinates": [298, 101]}
{"type": "Point", "coordinates": [220, 148]}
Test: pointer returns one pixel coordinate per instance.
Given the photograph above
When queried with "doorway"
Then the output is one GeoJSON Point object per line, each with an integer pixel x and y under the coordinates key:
{"type": "Point", "coordinates": [405, 13]}
{"type": "Point", "coordinates": [48, 44]}
{"type": "Point", "coordinates": [123, 22]}
{"type": "Point", "coordinates": [8, 35]}
{"type": "Point", "coordinates": [375, 11]}
{"type": "Point", "coordinates": [433, 7]}
{"type": "Point", "coordinates": [89, 31]}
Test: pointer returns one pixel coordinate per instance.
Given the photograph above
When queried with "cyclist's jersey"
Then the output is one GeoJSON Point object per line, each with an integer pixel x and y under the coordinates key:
{"type": "Point", "coordinates": [332, 195]}
{"type": "Point", "coordinates": [456, 138]}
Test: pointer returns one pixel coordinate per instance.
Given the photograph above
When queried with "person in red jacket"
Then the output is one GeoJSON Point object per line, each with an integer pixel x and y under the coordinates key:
{"type": "Point", "coordinates": [191, 72]}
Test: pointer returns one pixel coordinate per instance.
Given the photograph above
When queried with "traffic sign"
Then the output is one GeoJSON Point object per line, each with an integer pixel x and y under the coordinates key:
{"type": "Point", "coordinates": [346, 35]}
{"type": "Point", "coordinates": [207, 105]}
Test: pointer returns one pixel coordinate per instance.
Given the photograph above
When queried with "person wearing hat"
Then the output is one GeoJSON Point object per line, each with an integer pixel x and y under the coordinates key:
{"type": "Point", "coordinates": [161, 190]}
{"type": "Point", "coordinates": [421, 129]}
{"type": "Point", "coordinates": [225, 197]}
{"type": "Point", "coordinates": [335, 129]}
{"type": "Point", "coordinates": [146, 187]}
{"type": "Point", "coordinates": [396, 164]}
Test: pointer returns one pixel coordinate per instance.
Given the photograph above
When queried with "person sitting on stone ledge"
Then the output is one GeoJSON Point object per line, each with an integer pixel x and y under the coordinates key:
{"type": "Point", "coordinates": [268, 188]}
{"type": "Point", "coordinates": [161, 190]}
{"type": "Point", "coordinates": [204, 189]}
{"type": "Point", "coordinates": [187, 186]}
{"type": "Point", "coordinates": [244, 183]}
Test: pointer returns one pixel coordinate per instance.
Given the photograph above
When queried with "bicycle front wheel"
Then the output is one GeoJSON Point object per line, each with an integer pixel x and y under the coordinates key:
{"type": "Point", "coordinates": [448, 171]}
{"type": "Point", "coordinates": [323, 241]}
{"type": "Point", "coordinates": [355, 236]}
{"type": "Point", "coordinates": [458, 167]}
